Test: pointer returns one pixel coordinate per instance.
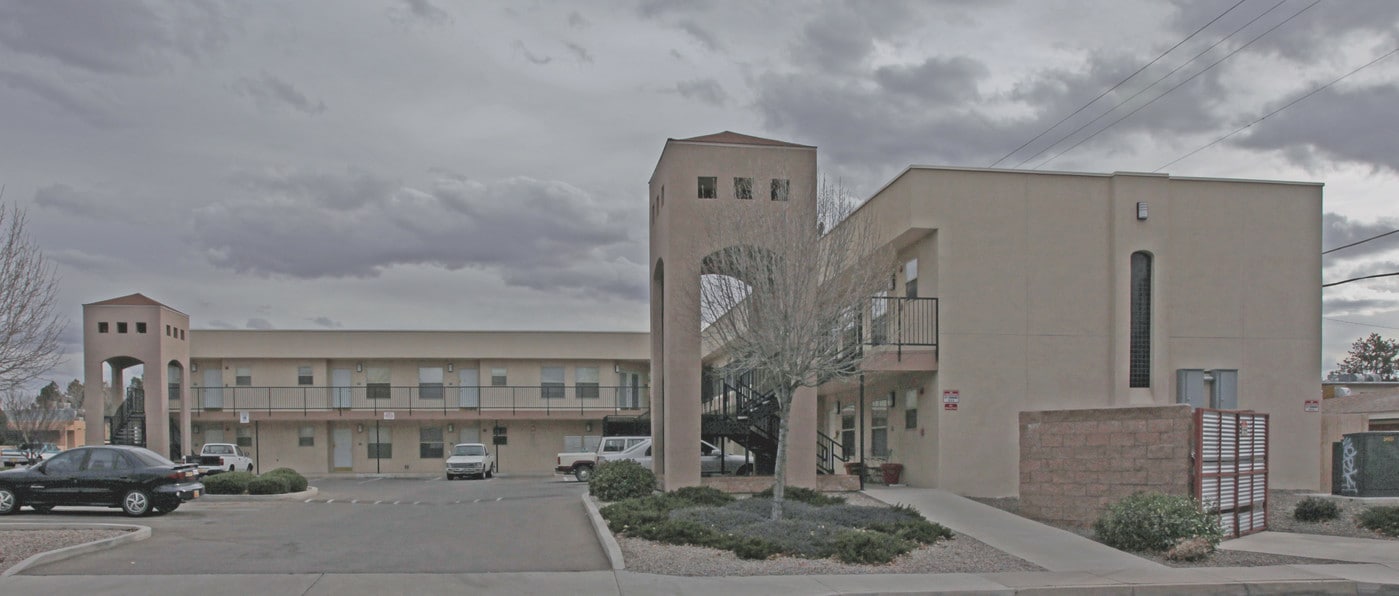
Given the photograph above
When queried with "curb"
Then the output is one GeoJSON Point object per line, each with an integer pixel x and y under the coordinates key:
{"type": "Point", "coordinates": [137, 533]}
{"type": "Point", "coordinates": [310, 491]}
{"type": "Point", "coordinates": [604, 535]}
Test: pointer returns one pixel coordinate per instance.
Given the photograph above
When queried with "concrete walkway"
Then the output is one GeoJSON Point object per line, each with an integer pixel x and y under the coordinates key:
{"type": "Point", "coordinates": [1048, 547]}
{"type": "Point", "coordinates": [1336, 548]}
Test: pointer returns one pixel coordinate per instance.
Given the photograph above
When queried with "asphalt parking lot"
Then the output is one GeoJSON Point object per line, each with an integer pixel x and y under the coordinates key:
{"type": "Point", "coordinates": [358, 525]}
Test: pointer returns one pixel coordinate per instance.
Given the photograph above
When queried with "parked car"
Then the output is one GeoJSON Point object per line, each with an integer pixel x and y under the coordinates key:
{"type": "Point", "coordinates": [13, 456]}
{"type": "Point", "coordinates": [40, 451]}
{"type": "Point", "coordinates": [221, 457]}
{"type": "Point", "coordinates": [581, 464]}
{"type": "Point", "coordinates": [135, 479]}
{"type": "Point", "coordinates": [470, 459]}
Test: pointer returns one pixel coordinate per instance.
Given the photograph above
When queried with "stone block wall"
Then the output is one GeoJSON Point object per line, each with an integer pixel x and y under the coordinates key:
{"type": "Point", "coordinates": [1073, 463]}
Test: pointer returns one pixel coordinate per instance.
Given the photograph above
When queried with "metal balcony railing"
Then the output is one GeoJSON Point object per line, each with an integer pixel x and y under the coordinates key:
{"type": "Point", "coordinates": [902, 322]}
{"type": "Point", "coordinates": [545, 399]}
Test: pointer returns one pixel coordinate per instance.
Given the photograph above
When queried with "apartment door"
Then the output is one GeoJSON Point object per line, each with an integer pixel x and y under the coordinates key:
{"type": "Point", "coordinates": [212, 392]}
{"type": "Point", "coordinates": [631, 391]}
{"type": "Point", "coordinates": [470, 388]}
{"type": "Point", "coordinates": [340, 387]}
{"type": "Point", "coordinates": [342, 441]}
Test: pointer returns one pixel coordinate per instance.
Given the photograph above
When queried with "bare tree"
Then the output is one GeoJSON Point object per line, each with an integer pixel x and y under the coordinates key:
{"type": "Point", "coordinates": [802, 290]}
{"type": "Point", "coordinates": [29, 324]}
{"type": "Point", "coordinates": [30, 419]}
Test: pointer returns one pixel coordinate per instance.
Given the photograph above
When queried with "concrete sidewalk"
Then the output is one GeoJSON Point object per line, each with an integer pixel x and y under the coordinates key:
{"type": "Point", "coordinates": [1046, 546]}
{"type": "Point", "coordinates": [1336, 548]}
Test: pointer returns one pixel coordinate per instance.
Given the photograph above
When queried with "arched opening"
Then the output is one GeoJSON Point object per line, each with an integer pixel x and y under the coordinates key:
{"type": "Point", "coordinates": [124, 401]}
{"type": "Point", "coordinates": [175, 380]}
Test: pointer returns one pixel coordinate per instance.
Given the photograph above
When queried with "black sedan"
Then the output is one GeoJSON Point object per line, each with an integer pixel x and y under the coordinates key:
{"type": "Point", "coordinates": [137, 480]}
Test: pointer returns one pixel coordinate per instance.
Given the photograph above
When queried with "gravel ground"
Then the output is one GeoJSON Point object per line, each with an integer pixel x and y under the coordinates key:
{"type": "Point", "coordinates": [963, 554]}
{"type": "Point", "coordinates": [18, 545]}
{"type": "Point", "coordinates": [1282, 503]}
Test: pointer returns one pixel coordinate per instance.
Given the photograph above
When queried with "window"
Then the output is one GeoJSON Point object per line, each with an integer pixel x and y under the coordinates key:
{"type": "Point", "coordinates": [551, 382]}
{"type": "Point", "coordinates": [613, 445]}
{"type": "Point", "coordinates": [430, 442]}
{"type": "Point", "coordinates": [102, 327]}
{"type": "Point", "coordinates": [708, 187]}
{"type": "Point", "coordinates": [498, 378]}
{"type": "Point", "coordinates": [911, 409]}
{"type": "Point", "coordinates": [140, 327]}
{"type": "Point", "coordinates": [304, 376]}
{"type": "Point", "coordinates": [743, 188]}
{"type": "Point", "coordinates": [243, 377]}
{"type": "Point", "coordinates": [879, 427]}
{"type": "Point", "coordinates": [847, 431]}
{"type": "Point", "coordinates": [182, 334]}
{"type": "Point", "coordinates": [245, 436]}
{"type": "Point", "coordinates": [306, 436]}
{"type": "Point", "coordinates": [121, 327]}
{"type": "Point", "coordinates": [780, 188]}
{"type": "Point", "coordinates": [376, 382]}
{"type": "Point", "coordinates": [911, 278]}
{"type": "Point", "coordinates": [430, 382]}
{"type": "Point", "coordinates": [106, 460]}
{"type": "Point", "coordinates": [585, 381]}
{"type": "Point", "coordinates": [1139, 371]}
{"type": "Point", "coordinates": [168, 333]}
{"type": "Point", "coordinates": [380, 442]}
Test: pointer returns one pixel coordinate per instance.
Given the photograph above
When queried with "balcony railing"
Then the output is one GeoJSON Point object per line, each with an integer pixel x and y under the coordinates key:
{"type": "Point", "coordinates": [544, 399]}
{"type": "Point", "coordinates": [902, 322]}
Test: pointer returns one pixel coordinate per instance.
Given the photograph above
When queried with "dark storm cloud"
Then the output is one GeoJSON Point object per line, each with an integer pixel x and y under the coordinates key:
{"type": "Point", "coordinates": [1336, 307]}
{"type": "Point", "coordinates": [86, 262]}
{"type": "Point", "coordinates": [706, 90]}
{"type": "Point", "coordinates": [82, 203]}
{"type": "Point", "coordinates": [1334, 125]}
{"type": "Point", "coordinates": [534, 233]}
{"type": "Point", "coordinates": [270, 92]}
{"type": "Point", "coordinates": [1338, 230]}
{"type": "Point", "coordinates": [350, 188]}
{"type": "Point", "coordinates": [1315, 33]}
{"type": "Point", "coordinates": [85, 106]}
{"type": "Point", "coordinates": [140, 37]}
{"type": "Point", "coordinates": [937, 80]}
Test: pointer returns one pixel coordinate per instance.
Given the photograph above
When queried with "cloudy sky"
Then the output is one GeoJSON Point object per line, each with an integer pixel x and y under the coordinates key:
{"type": "Point", "coordinates": [427, 164]}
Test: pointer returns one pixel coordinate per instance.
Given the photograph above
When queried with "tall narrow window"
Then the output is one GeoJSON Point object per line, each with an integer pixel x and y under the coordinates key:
{"type": "Point", "coordinates": [376, 383]}
{"type": "Point", "coordinates": [585, 381]}
{"type": "Point", "coordinates": [1139, 371]}
{"type": "Point", "coordinates": [743, 188]}
{"type": "Point", "coordinates": [911, 278]}
{"type": "Point", "coordinates": [551, 381]}
{"type": "Point", "coordinates": [380, 442]}
{"type": "Point", "coordinates": [430, 382]}
{"type": "Point", "coordinates": [708, 187]}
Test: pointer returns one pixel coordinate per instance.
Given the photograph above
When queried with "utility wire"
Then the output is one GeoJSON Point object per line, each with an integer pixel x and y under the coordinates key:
{"type": "Point", "coordinates": [1290, 104]}
{"type": "Point", "coordinates": [1153, 83]}
{"type": "Point", "coordinates": [1178, 85]}
{"type": "Point", "coordinates": [1360, 324]}
{"type": "Point", "coordinates": [1346, 281]}
{"type": "Point", "coordinates": [1325, 252]}
{"type": "Point", "coordinates": [1119, 83]}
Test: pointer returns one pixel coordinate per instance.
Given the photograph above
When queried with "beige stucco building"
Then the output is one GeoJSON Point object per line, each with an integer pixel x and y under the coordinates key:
{"type": "Point", "coordinates": [1013, 291]}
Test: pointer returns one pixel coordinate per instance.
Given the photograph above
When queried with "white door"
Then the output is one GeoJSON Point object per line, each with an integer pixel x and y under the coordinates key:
{"type": "Point", "coordinates": [470, 434]}
{"type": "Point", "coordinates": [212, 391]}
{"type": "Point", "coordinates": [470, 389]}
{"type": "Point", "coordinates": [631, 391]}
{"type": "Point", "coordinates": [343, 443]}
{"type": "Point", "coordinates": [340, 388]}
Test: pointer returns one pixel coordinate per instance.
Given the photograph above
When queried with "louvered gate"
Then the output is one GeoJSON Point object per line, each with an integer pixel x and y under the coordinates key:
{"type": "Point", "coordinates": [1231, 468]}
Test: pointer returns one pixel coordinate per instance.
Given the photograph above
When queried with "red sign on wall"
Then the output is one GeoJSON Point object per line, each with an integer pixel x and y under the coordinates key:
{"type": "Point", "coordinates": [949, 406]}
{"type": "Point", "coordinates": [1312, 405]}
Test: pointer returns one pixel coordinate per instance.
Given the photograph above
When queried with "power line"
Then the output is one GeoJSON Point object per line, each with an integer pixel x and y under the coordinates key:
{"type": "Point", "coordinates": [1178, 85]}
{"type": "Point", "coordinates": [1153, 84]}
{"type": "Point", "coordinates": [1360, 324]}
{"type": "Point", "coordinates": [1324, 252]}
{"type": "Point", "coordinates": [1119, 83]}
{"type": "Point", "coordinates": [1346, 281]}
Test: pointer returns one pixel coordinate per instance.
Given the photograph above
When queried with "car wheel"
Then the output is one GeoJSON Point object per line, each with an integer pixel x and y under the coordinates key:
{"type": "Point", "coordinates": [136, 503]}
{"type": "Point", "coordinates": [250, 468]}
{"type": "Point", "coordinates": [9, 501]}
{"type": "Point", "coordinates": [42, 508]}
{"type": "Point", "coordinates": [742, 470]}
{"type": "Point", "coordinates": [489, 471]}
{"type": "Point", "coordinates": [230, 468]}
{"type": "Point", "coordinates": [451, 477]}
{"type": "Point", "coordinates": [583, 473]}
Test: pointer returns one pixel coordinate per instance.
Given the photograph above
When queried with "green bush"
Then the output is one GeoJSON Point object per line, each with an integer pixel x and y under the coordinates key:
{"type": "Point", "coordinates": [630, 516]}
{"type": "Point", "coordinates": [753, 548]}
{"type": "Point", "coordinates": [295, 481]}
{"type": "Point", "coordinates": [814, 498]}
{"type": "Point", "coordinates": [1154, 522]}
{"type": "Point", "coordinates": [674, 531]}
{"type": "Point", "coordinates": [267, 485]}
{"type": "Point", "coordinates": [227, 483]}
{"type": "Point", "coordinates": [1316, 509]}
{"type": "Point", "coordinates": [703, 495]}
{"type": "Point", "coordinates": [1384, 520]}
{"type": "Point", "coordinates": [868, 548]}
{"type": "Point", "coordinates": [622, 479]}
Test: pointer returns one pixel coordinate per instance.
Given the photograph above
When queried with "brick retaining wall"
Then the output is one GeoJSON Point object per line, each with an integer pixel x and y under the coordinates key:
{"type": "Point", "coordinates": [1073, 463]}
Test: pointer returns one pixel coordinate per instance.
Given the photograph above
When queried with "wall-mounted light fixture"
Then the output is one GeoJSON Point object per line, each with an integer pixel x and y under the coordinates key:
{"type": "Point", "coordinates": [449, 367]}
{"type": "Point", "coordinates": [1141, 211]}
{"type": "Point", "coordinates": [451, 428]}
{"type": "Point", "coordinates": [587, 428]}
{"type": "Point", "coordinates": [359, 428]}
{"type": "Point", "coordinates": [359, 367]}
{"type": "Point", "coordinates": [193, 367]}
{"type": "Point", "coordinates": [616, 368]}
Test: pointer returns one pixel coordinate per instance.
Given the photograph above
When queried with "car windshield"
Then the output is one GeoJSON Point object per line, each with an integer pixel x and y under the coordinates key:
{"type": "Point", "coordinates": [469, 450]}
{"type": "Point", "coordinates": [149, 458]}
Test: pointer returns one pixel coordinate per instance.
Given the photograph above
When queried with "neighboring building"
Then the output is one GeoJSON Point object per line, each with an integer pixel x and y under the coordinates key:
{"type": "Point", "coordinates": [1016, 291]}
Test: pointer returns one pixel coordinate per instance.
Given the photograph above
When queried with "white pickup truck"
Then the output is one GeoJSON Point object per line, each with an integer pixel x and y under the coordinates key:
{"type": "Point", "coordinates": [581, 464]}
{"type": "Point", "coordinates": [223, 457]}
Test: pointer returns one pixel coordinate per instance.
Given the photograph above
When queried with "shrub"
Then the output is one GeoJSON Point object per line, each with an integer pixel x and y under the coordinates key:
{"type": "Point", "coordinates": [752, 547]}
{"type": "Point", "coordinates": [675, 531]}
{"type": "Point", "coordinates": [227, 483]}
{"type": "Point", "coordinates": [763, 506]}
{"type": "Point", "coordinates": [629, 516]}
{"type": "Point", "coordinates": [1384, 520]}
{"type": "Point", "coordinates": [794, 536]}
{"type": "Point", "coordinates": [854, 546]}
{"type": "Point", "coordinates": [703, 495]}
{"type": "Point", "coordinates": [1316, 509]}
{"type": "Point", "coordinates": [1190, 549]}
{"type": "Point", "coordinates": [1155, 522]}
{"type": "Point", "coordinates": [622, 479]}
{"type": "Point", "coordinates": [267, 485]}
{"type": "Point", "coordinates": [814, 498]}
{"type": "Point", "coordinates": [295, 481]}
{"type": "Point", "coordinates": [719, 519]}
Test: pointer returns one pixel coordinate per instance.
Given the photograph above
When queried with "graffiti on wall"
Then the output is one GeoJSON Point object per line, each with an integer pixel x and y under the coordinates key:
{"type": "Point", "coordinates": [1348, 453]}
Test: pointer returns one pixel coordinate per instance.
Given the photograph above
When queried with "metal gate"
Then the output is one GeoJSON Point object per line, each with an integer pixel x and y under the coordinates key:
{"type": "Point", "coordinates": [1231, 468]}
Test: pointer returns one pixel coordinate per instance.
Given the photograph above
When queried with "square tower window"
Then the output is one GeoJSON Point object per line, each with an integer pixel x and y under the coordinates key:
{"type": "Point", "coordinates": [140, 327]}
{"type": "Point", "coordinates": [743, 188]}
{"type": "Point", "coordinates": [102, 327]}
{"type": "Point", "coordinates": [121, 327]}
{"type": "Point", "coordinates": [708, 187]}
{"type": "Point", "coordinates": [780, 188]}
